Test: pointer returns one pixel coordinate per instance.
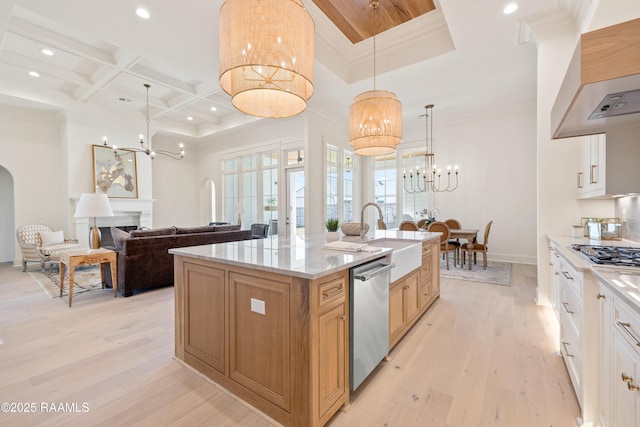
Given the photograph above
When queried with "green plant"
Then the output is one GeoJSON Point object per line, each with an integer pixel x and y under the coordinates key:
{"type": "Point", "coordinates": [332, 224]}
{"type": "Point", "coordinates": [272, 201]}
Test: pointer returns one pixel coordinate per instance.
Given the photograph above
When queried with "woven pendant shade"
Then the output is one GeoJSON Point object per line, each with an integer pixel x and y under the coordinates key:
{"type": "Point", "coordinates": [375, 123]}
{"type": "Point", "coordinates": [266, 56]}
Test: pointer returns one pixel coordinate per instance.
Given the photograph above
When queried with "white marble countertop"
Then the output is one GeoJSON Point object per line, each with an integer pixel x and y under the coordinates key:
{"type": "Point", "coordinates": [623, 281]}
{"type": "Point", "coordinates": [296, 257]}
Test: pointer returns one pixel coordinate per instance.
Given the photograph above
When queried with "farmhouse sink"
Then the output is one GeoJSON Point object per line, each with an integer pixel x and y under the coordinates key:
{"type": "Point", "coordinates": [406, 254]}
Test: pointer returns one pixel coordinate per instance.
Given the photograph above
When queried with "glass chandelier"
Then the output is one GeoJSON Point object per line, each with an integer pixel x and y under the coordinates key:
{"type": "Point", "coordinates": [430, 179]}
{"type": "Point", "coordinates": [266, 56]}
{"type": "Point", "coordinates": [146, 149]}
{"type": "Point", "coordinates": [375, 117]}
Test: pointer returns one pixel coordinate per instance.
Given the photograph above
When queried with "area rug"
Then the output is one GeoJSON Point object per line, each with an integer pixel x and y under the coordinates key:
{"type": "Point", "coordinates": [497, 273]}
{"type": "Point", "coordinates": [85, 279]}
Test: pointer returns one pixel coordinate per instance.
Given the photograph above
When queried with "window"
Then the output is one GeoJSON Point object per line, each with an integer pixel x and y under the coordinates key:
{"type": "Point", "coordinates": [385, 176]}
{"type": "Point", "coordinates": [251, 192]}
{"type": "Point", "coordinates": [413, 202]}
{"type": "Point", "coordinates": [339, 184]}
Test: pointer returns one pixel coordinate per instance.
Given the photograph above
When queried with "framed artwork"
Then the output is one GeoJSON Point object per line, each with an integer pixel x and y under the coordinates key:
{"type": "Point", "coordinates": [114, 172]}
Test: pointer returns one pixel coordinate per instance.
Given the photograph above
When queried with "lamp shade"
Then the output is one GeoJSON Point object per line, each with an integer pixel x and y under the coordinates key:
{"type": "Point", "coordinates": [93, 205]}
{"type": "Point", "coordinates": [266, 56]}
{"type": "Point", "coordinates": [375, 123]}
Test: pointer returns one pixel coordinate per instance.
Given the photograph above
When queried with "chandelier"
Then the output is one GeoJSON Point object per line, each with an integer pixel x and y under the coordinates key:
{"type": "Point", "coordinates": [177, 155]}
{"type": "Point", "coordinates": [266, 56]}
{"type": "Point", "coordinates": [375, 117]}
{"type": "Point", "coordinates": [431, 177]}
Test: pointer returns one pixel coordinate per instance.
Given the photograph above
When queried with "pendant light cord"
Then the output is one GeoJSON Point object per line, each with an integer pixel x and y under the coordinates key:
{"type": "Point", "coordinates": [374, 4]}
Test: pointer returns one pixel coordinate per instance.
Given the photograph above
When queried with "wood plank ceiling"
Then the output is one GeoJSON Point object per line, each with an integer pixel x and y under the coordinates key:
{"type": "Point", "coordinates": [356, 20]}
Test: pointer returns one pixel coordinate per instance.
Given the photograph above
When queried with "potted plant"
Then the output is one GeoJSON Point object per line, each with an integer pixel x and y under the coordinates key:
{"type": "Point", "coordinates": [332, 225]}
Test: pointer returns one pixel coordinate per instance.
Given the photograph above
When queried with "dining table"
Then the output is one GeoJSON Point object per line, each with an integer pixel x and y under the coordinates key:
{"type": "Point", "coordinates": [464, 233]}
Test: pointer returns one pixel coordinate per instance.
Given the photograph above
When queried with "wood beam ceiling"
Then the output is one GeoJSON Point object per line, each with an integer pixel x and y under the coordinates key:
{"type": "Point", "coordinates": [355, 18]}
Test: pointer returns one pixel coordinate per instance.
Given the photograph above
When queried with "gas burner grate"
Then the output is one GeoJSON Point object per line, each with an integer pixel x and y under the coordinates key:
{"type": "Point", "coordinates": [611, 255]}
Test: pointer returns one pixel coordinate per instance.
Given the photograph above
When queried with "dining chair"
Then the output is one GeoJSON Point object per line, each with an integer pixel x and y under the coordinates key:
{"type": "Point", "coordinates": [441, 227]}
{"type": "Point", "coordinates": [422, 223]}
{"type": "Point", "coordinates": [475, 247]}
{"type": "Point", "coordinates": [454, 224]}
{"type": "Point", "coordinates": [408, 226]}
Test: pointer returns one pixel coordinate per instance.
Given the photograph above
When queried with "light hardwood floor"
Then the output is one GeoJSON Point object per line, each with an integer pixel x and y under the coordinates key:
{"type": "Point", "coordinates": [483, 355]}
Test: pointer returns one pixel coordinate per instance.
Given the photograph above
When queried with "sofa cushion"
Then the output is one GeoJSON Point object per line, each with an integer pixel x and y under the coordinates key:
{"type": "Point", "coordinates": [190, 230]}
{"type": "Point", "coordinates": [50, 238]}
{"type": "Point", "coordinates": [154, 232]}
{"type": "Point", "coordinates": [118, 236]}
{"type": "Point", "coordinates": [232, 227]}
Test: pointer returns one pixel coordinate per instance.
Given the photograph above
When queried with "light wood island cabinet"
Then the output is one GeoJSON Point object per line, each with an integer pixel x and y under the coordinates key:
{"type": "Point", "coordinates": [279, 341]}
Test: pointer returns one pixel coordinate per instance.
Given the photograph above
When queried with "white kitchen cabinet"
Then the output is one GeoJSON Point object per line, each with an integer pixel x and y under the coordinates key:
{"type": "Point", "coordinates": [554, 272]}
{"type": "Point", "coordinates": [626, 373]}
{"type": "Point", "coordinates": [605, 309]}
{"type": "Point", "coordinates": [591, 176]}
{"type": "Point", "coordinates": [607, 164]}
{"type": "Point", "coordinates": [619, 364]}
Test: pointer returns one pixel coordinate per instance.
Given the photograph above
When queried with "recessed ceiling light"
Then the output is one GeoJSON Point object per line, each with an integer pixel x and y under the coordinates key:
{"type": "Point", "coordinates": [47, 52]}
{"type": "Point", "coordinates": [214, 109]}
{"type": "Point", "coordinates": [143, 13]}
{"type": "Point", "coordinates": [34, 74]}
{"type": "Point", "coordinates": [510, 8]}
{"type": "Point", "coordinates": [189, 118]}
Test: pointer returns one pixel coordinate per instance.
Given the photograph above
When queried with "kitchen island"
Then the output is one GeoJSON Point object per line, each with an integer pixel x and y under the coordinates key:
{"type": "Point", "coordinates": [268, 319]}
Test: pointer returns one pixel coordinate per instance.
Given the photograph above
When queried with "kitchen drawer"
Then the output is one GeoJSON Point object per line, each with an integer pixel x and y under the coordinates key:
{"type": "Point", "coordinates": [569, 275]}
{"type": "Point", "coordinates": [570, 308]}
{"type": "Point", "coordinates": [627, 322]}
{"type": "Point", "coordinates": [572, 356]}
{"type": "Point", "coordinates": [426, 249]}
{"type": "Point", "coordinates": [331, 291]}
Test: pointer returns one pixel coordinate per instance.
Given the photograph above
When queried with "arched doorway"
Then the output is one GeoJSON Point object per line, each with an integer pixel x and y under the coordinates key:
{"type": "Point", "coordinates": [7, 216]}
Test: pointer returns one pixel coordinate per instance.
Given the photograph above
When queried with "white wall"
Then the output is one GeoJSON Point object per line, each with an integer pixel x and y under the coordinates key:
{"type": "Point", "coordinates": [7, 217]}
{"type": "Point", "coordinates": [175, 187]}
{"type": "Point", "coordinates": [31, 154]}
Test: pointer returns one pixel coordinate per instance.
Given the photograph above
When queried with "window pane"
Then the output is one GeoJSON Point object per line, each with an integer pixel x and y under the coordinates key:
{"type": "Point", "coordinates": [231, 165]}
{"type": "Point", "coordinates": [270, 159]}
{"type": "Point", "coordinates": [385, 188]}
{"type": "Point", "coordinates": [270, 194]}
{"type": "Point", "coordinates": [249, 162]}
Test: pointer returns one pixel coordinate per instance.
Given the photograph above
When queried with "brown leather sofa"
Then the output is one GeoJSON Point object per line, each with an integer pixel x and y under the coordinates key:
{"type": "Point", "coordinates": [144, 261]}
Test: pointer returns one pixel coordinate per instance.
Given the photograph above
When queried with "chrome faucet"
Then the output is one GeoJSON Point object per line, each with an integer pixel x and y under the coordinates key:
{"type": "Point", "coordinates": [362, 217]}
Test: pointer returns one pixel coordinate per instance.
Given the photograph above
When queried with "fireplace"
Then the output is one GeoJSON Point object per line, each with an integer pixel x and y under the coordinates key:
{"type": "Point", "coordinates": [126, 213]}
{"type": "Point", "coordinates": [106, 241]}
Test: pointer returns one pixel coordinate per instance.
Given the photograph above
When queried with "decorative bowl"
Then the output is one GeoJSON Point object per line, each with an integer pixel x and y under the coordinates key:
{"type": "Point", "coordinates": [353, 228]}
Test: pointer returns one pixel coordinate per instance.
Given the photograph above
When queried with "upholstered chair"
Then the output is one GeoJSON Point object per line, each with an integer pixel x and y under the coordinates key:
{"type": "Point", "coordinates": [408, 226]}
{"type": "Point", "coordinates": [30, 240]}
{"type": "Point", "coordinates": [474, 248]}
{"type": "Point", "coordinates": [441, 227]}
{"type": "Point", "coordinates": [259, 231]}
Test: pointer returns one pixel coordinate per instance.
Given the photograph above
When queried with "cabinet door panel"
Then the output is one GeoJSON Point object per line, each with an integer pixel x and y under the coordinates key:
{"type": "Point", "coordinates": [624, 400]}
{"type": "Point", "coordinates": [396, 311]}
{"type": "Point", "coordinates": [204, 296]}
{"type": "Point", "coordinates": [410, 297]}
{"type": "Point", "coordinates": [259, 349]}
{"type": "Point", "coordinates": [331, 359]}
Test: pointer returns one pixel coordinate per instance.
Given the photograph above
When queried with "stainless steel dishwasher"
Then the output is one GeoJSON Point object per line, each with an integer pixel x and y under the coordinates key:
{"type": "Point", "coordinates": [369, 318]}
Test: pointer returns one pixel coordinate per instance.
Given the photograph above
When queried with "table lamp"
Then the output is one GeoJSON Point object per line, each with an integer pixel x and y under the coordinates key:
{"type": "Point", "coordinates": [93, 205]}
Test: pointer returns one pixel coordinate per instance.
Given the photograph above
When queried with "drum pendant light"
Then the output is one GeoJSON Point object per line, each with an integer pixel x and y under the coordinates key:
{"type": "Point", "coordinates": [266, 56]}
{"type": "Point", "coordinates": [375, 117]}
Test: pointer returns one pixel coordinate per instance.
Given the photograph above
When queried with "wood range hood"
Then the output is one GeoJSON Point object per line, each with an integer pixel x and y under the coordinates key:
{"type": "Point", "coordinates": [601, 89]}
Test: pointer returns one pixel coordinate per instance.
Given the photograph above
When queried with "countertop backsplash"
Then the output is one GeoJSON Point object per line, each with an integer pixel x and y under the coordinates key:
{"type": "Point", "coordinates": [628, 210]}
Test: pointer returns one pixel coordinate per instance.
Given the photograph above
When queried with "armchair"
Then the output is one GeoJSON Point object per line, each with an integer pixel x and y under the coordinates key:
{"type": "Point", "coordinates": [30, 242]}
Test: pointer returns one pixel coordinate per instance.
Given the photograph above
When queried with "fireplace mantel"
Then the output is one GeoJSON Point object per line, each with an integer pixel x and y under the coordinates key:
{"type": "Point", "coordinates": [133, 211]}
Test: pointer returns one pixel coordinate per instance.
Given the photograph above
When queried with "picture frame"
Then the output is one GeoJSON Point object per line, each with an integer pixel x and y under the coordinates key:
{"type": "Point", "coordinates": [115, 172]}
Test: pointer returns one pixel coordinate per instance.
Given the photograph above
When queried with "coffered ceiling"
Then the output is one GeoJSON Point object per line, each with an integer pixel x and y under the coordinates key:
{"type": "Point", "coordinates": [454, 53]}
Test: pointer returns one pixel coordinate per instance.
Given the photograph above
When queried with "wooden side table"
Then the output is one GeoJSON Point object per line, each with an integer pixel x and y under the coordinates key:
{"type": "Point", "coordinates": [77, 257]}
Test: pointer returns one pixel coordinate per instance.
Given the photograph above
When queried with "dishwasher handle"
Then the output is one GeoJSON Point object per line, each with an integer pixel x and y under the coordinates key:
{"type": "Point", "coordinates": [369, 274]}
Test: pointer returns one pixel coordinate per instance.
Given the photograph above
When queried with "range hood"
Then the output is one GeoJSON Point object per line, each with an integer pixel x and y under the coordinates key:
{"type": "Point", "coordinates": [601, 89]}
